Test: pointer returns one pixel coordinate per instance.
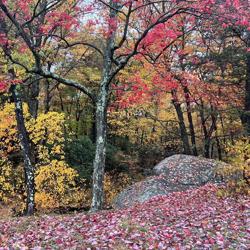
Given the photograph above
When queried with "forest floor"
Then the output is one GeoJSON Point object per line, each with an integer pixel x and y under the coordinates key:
{"type": "Point", "coordinates": [194, 219]}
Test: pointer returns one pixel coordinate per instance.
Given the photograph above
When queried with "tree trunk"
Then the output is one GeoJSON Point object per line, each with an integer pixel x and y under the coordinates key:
{"type": "Point", "coordinates": [192, 133]}
{"type": "Point", "coordinates": [183, 130]}
{"type": "Point", "coordinates": [33, 103]}
{"type": "Point", "coordinates": [47, 97]}
{"type": "Point", "coordinates": [25, 145]}
{"type": "Point", "coordinates": [212, 151]}
{"type": "Point", "coordinates": [208, 132]}
{"type": "Point", "coordinates": [190, 121]}
{"type": "Point", "coordinates": [23, 134]}
{"type": "Point", "coordinates": [246, 115]}
{"type": "Point", "coordinates": [93, 125]}
{"type": "Point", "coordinates": [101, 115]}
{"type": "Point", "coordinates": [100, 153]}
{"type": "Point", "coordinates": [187, 97]}
{"type": "Point", "coordinates": [205, 132]}
{"type": "Point", "coordinates": [32, 99]}
{"type": "Point", "coordinates": [218, 147]}
{"type": "Point", "coordinates": [207, 147]}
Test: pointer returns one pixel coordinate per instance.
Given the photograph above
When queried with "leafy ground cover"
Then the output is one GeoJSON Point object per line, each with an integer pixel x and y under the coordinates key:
{"type": "Point", "coordinates": [194, 219]}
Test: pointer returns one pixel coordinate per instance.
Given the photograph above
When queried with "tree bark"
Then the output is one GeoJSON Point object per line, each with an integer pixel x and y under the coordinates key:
{"type": "Point", "coordinates": [47, 97]}
{"type": "Point", "coordinates": [183, 130]}
{"type": "Point", "coordinates": [207, 132]}
{"type": "Point", "coordinates": [33, 103]}
{"type": "Point", "coordinates": [190, 121]}
{"type": "Point", "coordinates": [218, 147]}
{"type": "Point", "coordinates": [33, 97]}
{"type": "Point", "coordinates": [93, 125]}
{"type": "Point", "coordinates": [187, 97]}
{"type": "Point", "coordinates": [101, 116]}
{"type": "Point", "coordinates": [192, 132]}
{"type": "Point", "coordinates": [100, 153]}
{"type": "Point", "coordinates": [246, 114]}
{"type": "Point", "coordinates": [25, 145]}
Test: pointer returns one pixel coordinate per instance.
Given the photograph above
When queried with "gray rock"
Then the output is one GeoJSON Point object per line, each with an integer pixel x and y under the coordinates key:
{"type": "Point", "coordinates": [142, 191]}
{"type": "Point", "coordinates": [175, 173]}
{"type": "Point", "coordinates": [189, 170]}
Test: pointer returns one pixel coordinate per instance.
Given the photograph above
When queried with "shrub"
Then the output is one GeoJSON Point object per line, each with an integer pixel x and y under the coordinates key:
{"type": "Point", "coordinates": [239, 157]}
{"type": "Point", "coordinates": [6, 185]}
{"type": "Point", "coordinates": [8, 133]}
{"type": "Point", "coordinates": [57, 186]}
{"type": "Point", "coordinates": [56, 183]}
{"type": "Point", "coordinates": [80, 155]}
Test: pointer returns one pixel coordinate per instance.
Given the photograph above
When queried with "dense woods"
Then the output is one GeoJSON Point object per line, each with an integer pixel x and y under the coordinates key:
{"type": "Point", "coordinates": [94, 93]}
{"type": "Point", "coordinates": [186, 89]}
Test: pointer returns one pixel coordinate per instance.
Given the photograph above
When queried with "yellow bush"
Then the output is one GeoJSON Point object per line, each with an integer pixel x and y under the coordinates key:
{"type": "Point", "coordinates": [6, 185]}
{"type": "Point", "coordinates": [46, 132]}
{"type": "Point", "coordinates": [239, 157]}
{"type": "Point", "coordinates": [56, 183]}
{"type": "Point", "coordinates": [8, 134]}
{"type": "Point", "coordinates": [11, 181]}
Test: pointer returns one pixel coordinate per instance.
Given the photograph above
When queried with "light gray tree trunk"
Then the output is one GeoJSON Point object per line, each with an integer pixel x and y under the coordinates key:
{"type": "Point", "coordinates": [100, 154]}
{"type": "Point", "coordinates": [101, 118]}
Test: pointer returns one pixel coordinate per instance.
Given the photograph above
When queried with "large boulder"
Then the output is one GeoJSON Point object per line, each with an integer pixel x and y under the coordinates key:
{"type": "Point", "coordinates": [175, 173]}
{"type": "Point", "coordinates": [189, 170]}
{"type": "Point", "coordinates": [142, 191]}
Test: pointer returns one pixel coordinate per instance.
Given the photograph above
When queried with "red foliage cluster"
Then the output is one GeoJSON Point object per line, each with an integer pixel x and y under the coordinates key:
{"type": "Point", "coordinates": [5, 84]}
{"type": "Point", "coordinates": [2, 86]}
{"type": "Point", "coordinates": [182, 220]}
{"type": "Point", "coordinates": [59, 19]}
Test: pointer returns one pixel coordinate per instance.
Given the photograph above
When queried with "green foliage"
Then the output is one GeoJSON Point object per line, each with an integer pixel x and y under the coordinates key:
{"type": "Point", "coordinates": [123, 143]}
{"type": "Point", "coordinates": [113, 158]}
{"type": "Point", "coordinates": [80, 154]}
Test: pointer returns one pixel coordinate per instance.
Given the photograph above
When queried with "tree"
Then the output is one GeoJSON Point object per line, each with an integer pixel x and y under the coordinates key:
{"type": "Point", "coordinates": [22, 131]}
